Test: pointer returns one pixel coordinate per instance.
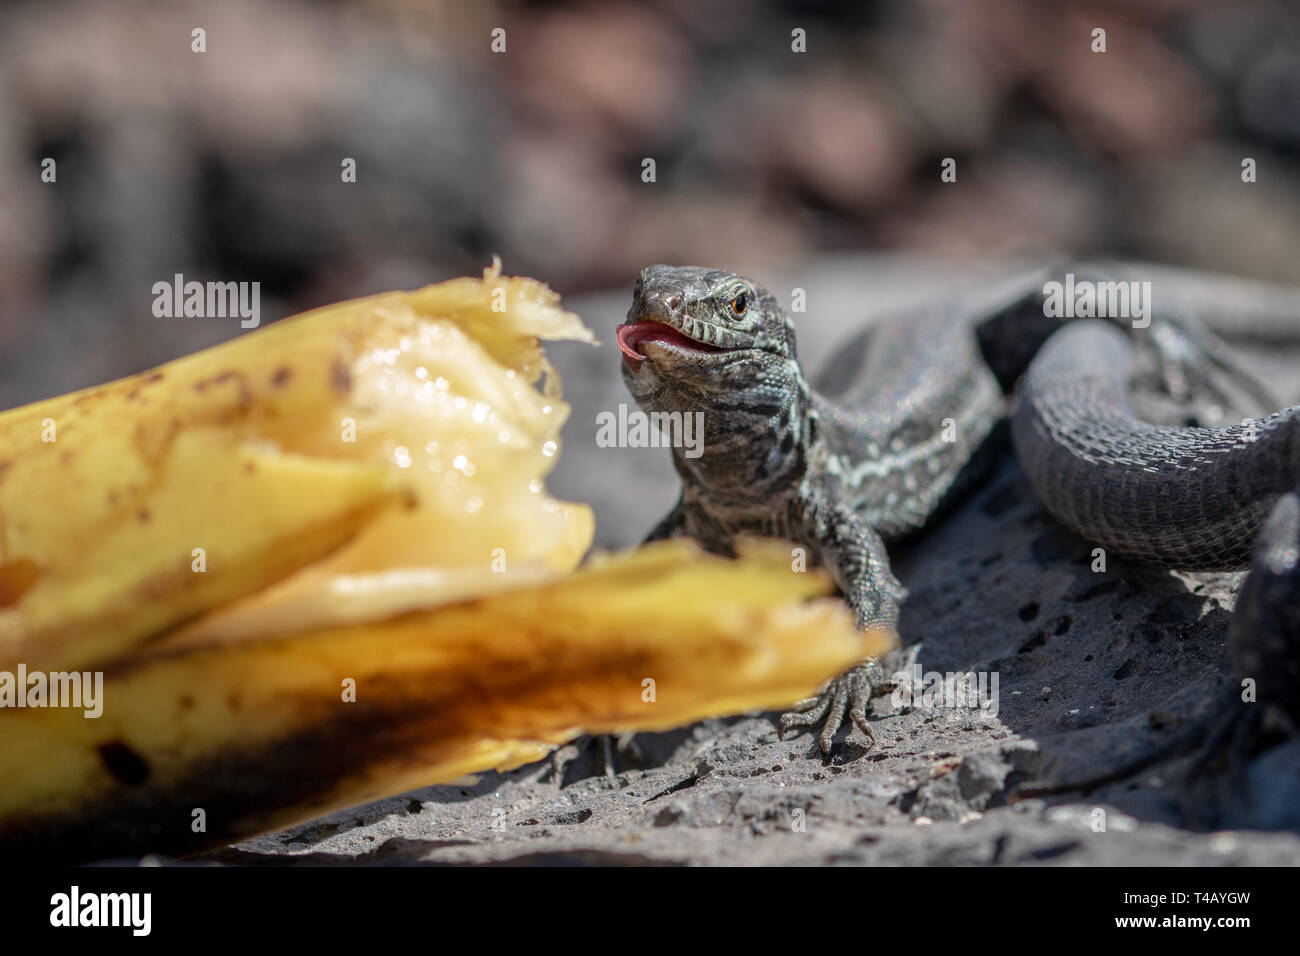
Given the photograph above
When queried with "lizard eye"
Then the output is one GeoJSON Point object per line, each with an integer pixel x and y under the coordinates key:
{"type": "Point", "coordinates": [739, 304]}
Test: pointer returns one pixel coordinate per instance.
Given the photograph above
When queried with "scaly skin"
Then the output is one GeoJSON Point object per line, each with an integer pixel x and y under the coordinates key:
{"type": "Point", "coordinates": [1187, 498]}
{"type": "Point", "coordinates": [885, 438]}
{"type": "Point", "coordinates": [841, 471]}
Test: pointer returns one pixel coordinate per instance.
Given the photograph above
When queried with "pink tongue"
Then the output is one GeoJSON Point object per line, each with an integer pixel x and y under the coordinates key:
{"type": "Point", "coordinates": [628, 336]}
{"type": "Point", "coordinates": [631, 334]}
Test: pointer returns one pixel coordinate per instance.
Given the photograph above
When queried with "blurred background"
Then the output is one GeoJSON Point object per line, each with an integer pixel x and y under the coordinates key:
{"type": "Point", "coordinates": [225, 165]}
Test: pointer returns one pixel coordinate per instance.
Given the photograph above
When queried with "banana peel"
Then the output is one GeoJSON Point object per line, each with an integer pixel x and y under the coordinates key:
{"type": "Point", "coordinates": [317, 566]}
{"type": "Point", "coordinates": [400, 431]}
{"type": "Point", "coordinates": [260, 735]}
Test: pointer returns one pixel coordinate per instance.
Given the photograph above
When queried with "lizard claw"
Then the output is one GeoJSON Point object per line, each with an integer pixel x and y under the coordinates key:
{"type": "Point", "coordinates": [802, 706]}
{"type": "Point", "coordinates": [844, 697]}
{"type": "Point", "coordinates": [804, 714]}
{"type": "Point", "coordinates": [839, 703]}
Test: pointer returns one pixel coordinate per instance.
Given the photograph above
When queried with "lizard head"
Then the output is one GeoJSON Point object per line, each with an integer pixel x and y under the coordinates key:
{"type": "Point", "coordinates": [688, 323]}
{"type": "Point", "coordinates": [718, 345]}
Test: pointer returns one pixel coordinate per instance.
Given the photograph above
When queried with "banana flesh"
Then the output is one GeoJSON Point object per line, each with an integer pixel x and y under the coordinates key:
{"type": "Point", "coordinates": [317, 565]}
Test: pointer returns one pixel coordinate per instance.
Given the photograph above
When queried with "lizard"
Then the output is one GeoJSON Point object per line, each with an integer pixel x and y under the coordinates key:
{"type": "Point", "coordinates": [898, 426]}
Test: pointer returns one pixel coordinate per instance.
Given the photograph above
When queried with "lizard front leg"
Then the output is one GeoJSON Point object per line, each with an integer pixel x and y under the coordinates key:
{"type": "Point", "coordinates": [855, 556]}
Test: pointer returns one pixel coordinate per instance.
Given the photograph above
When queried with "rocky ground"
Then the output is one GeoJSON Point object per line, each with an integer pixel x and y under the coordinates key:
{"type": "Point", "coordinates": [1093, 669]}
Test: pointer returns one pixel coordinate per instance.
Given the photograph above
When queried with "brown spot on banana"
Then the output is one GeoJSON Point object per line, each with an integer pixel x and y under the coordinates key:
{"type": "Point", "coordinates": [16, 577]}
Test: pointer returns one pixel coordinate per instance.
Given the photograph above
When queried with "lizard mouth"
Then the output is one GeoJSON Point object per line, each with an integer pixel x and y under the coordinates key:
{"type": "Point", "coordinates": [633, 336]}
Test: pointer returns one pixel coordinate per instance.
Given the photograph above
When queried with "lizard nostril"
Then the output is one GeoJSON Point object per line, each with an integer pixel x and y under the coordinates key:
{"type": "Point", "coordinates": [672, 302]}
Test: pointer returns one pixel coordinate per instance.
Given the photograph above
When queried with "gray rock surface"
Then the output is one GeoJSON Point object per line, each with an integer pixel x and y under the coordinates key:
{"type": "Point", "coordinates": [1093, 669]}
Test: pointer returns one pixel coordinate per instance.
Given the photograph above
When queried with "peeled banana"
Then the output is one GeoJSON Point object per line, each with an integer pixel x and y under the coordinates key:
{"type": "Point", "coordinates": [317, 565]}
{"type": "Point", "coordinates": [402, 431]}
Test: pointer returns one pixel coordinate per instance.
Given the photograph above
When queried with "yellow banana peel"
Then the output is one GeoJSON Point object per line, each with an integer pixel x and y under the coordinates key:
{"type": "Point", "coordinates": [317, 565]}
